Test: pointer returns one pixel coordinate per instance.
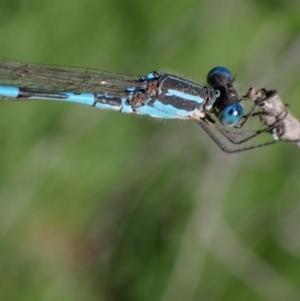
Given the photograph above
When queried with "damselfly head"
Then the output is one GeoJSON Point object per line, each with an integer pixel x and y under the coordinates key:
{"type": "Point", "coordinates": [227, 105]}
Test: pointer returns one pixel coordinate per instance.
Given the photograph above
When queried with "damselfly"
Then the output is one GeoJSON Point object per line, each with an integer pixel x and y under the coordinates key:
{"type": "Point", "coordinates": [216, 107]}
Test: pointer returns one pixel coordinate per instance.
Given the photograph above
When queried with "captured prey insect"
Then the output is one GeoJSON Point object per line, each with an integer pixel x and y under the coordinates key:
{"type": "Point", "coordinates": [216, 107]}
{"type": "Point", "coordinates": [281, 124]}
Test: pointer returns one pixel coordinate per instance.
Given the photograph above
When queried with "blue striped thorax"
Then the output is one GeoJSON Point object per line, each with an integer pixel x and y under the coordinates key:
{"type": "Point", "coordinates": [185, 99]}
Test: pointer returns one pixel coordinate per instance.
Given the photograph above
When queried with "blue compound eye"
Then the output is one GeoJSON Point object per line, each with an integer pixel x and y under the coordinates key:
{"type": "Point", "coordinates": [231, 115]}
{"type": "Point", "coordinates": [218, 70]}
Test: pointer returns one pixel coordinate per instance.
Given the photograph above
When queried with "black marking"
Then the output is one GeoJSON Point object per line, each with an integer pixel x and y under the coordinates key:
{"type": "Point", "coordinates": [109, 100]}
{"type": "Point", "coordinates": [167, 81]}
{"type": "Point", "coordinates": [29, 93]}
{"type": "Point", "coordinates": [228, 93]}
{"type": "Point", "coordinates": [176, 102]}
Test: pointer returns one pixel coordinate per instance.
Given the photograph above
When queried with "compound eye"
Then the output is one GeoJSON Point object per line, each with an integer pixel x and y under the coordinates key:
{"type": "Point", "coordinates": [219, 70]}
{"type": "Point", "coordinates": [218, 93]}
{"type": "Point", "coordinates": [231, 115]}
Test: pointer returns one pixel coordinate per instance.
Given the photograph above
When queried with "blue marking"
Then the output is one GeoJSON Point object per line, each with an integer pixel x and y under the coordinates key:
{"type": "Point", "coordinates": [153, 112]}
{"type": "Point", "coordinates": [183, 95]}
{"type": "Point", "coordinates": [107, 106]}
{"type": "Point", "coordinates": [172, 111]}
{"type": "Point", "coordinates": [150, 76]}
{"type": "Point", "coordinates": [8, 91]}
{"type": "Point", "coordinates": [126, 108]}
{"type": "Point", "coordinates": [131, 89]}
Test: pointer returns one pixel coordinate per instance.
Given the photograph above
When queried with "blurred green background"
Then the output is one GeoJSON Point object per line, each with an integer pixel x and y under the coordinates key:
{"type": "Point", "coordinates": [98, 205]}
